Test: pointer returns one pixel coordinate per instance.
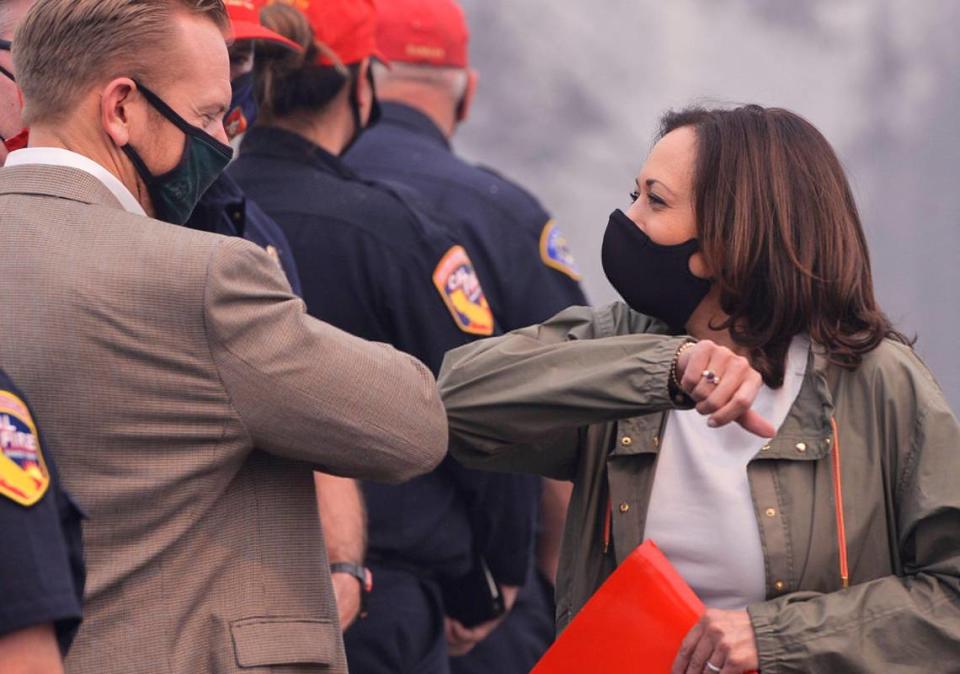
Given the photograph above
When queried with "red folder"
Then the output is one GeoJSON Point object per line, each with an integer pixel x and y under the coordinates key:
{"type": "Point", "coordinates": [633, 624]}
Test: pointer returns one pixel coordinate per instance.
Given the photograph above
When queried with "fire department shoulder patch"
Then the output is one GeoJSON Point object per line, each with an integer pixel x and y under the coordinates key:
{"type": "Point", "coordinates": [235, 123]}
{"type": "Point", "coordinates": [457, 281]}
{"type": "Point", "coordinates": [555, 251]}
{"type": "Point", "coordinates": [24, 477]}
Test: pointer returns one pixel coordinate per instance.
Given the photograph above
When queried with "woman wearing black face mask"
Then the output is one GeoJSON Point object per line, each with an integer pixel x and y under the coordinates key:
{"type": "Point", "coordinates": [831, 543]}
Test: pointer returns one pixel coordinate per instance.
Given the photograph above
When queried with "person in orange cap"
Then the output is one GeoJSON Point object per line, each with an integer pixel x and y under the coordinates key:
{"type": "Point", "coordinates": [374, 264]}
{"type": "Point", "coordinates": [521, 256]}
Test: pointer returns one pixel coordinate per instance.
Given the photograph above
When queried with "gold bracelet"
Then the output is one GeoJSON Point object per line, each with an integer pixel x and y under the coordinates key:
{"type": "Point", "coordinates": [676, 361]}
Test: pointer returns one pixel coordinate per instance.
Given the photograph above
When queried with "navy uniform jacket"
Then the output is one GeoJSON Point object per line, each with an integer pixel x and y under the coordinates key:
{"type": "Point", "coordinates": [522, 258]}
{"type": "Point", "coordinates": [372, 265]}
{"type": "Point", "coordinates": [41, 552]}
{"type": "Point", "coordinates": [224, 209]}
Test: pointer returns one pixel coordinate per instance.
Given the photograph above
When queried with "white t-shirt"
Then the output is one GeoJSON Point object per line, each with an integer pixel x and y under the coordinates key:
{"type": "Point", "coordinates": [701, 512]}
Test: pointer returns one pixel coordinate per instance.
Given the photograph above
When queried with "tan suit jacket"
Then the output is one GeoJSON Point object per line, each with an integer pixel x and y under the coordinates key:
{"type": "Point", "coordinates": [189, 396]}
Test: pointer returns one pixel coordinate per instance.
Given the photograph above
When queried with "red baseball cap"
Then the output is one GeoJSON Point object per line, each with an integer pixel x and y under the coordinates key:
{"type": "Point", "coordinates": [429, 32]}
{"type": "Point", "coordinates": [347, 27]}
{"type": "Point", "coordinates": [245, 23]}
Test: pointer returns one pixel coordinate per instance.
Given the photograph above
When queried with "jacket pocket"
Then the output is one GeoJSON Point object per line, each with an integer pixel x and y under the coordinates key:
{"type": "Point", "coordinates": [259, 642]}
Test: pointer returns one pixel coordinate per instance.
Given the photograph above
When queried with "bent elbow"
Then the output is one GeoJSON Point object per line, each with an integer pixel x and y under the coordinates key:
{"type": "Point", "coordinates": [421, 427]}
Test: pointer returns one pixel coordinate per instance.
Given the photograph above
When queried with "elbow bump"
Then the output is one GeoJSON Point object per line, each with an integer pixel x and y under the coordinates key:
{"type": "Point", "coordinates": [421, 462]}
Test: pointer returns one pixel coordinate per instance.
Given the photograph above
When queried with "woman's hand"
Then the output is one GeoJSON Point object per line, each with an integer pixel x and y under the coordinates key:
{"type": "Point", "coordinates": [724, 639]}
{"type": "Point", "coordinates": [723, 385]}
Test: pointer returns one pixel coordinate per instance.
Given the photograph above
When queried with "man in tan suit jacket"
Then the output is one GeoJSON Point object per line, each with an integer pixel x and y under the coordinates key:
{"type": "Point", "coordinates": [187, 390]}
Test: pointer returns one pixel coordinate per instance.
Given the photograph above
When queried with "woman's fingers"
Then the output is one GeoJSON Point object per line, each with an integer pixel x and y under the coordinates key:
{"type": "Point", "coordinates": [701, 653]}
{"type": "Point", "coordinates": [693, 363]}
{"type": "Point", "coordinates": [738, 401]}
{"type": "Point", "coordinates": [757, 425]}
{"type": "Point", "coordinates": [711, 377]}
{"type": "Point", "coordinates": [734, 370]}
{"type": "Point", "coordinates": [724, 385]}
{"type": "Point", "coordinates": [687, 646]}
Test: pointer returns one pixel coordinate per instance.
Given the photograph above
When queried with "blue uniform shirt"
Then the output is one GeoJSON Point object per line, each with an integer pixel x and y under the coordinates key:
{"type": "Point", "coordinates": [521, 256]}
{"type": "Point", "coordinates": [224, 209]}
{"type": "Point", "coordinates": [373, 265]}
{"type": "Point", "coordinates": [41, 554]}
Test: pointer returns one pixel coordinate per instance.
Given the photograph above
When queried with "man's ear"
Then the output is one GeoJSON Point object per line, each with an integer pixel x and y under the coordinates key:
{"type": "Point", "coordinates": [116, 109]}
{"type": "Point", "coordinates": [466, 103]}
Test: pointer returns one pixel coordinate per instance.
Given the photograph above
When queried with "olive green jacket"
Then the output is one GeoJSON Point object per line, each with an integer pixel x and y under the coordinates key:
{"type": "Point", "coordinates": [584, 396]}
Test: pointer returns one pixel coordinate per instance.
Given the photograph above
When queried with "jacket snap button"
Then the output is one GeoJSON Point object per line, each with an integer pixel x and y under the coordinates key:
{"type": "Point", "coordinates": [779, 585]}
{"type": "Point", "coordinates": [801, 446]}
{"type": "Point", "coordinates": [624, 507]}
{"type": "Point", "coordinates": [771, 512]}
{"type": "Point", "coordinates": [765, 448]}
{"type": "Point", "coordinates": [626, 441]}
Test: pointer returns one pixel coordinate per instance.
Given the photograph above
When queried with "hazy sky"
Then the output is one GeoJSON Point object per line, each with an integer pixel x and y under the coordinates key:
{"type": "Point", "coordinates": [570, 94]}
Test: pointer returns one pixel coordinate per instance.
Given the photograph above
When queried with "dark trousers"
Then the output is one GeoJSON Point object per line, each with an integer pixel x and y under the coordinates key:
{"type": "Point", "coordinates": [521, 640]}
{"type": "Point", "coordinates": [403, 631]}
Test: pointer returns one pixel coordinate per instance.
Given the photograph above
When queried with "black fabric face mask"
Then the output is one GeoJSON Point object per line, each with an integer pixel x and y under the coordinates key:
{"type": "Point", "coordinates": [376, 112]}
{"type": "Point", "coordinates": [6, 45]}
{"type": "Point", "coordinates": [175, 193]}
{"type": "Point", "coordinates": [652, 278]}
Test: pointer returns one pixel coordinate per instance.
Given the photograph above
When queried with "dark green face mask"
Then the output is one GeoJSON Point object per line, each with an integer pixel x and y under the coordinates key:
{"type": "Point", "coordinates": [175, 193]}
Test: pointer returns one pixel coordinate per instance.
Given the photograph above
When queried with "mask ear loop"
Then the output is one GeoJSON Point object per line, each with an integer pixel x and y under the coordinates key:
{"type": "Point", "coordinates": [838, 505]}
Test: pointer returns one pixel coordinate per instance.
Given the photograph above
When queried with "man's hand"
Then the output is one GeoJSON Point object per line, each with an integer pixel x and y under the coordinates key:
{"type": "Point", "coordinates": [724, 639]}
{"type": "Point", "coordinates": [461, 640]}
{"type": "Point", "coordinates": [346, 589]}
{"type": "Point", "coordinates": [723, 385]}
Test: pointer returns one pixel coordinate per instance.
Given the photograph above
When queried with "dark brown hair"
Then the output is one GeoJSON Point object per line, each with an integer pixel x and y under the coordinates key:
{"type": "Point", "coordinates": [288, 82]}
{"type": "Point", "coordinates": [778, 225]}
{"type": "Point", "coordinates": [61, 49]}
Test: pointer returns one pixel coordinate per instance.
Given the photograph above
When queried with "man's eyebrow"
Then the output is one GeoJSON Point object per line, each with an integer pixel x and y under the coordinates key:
{"type": "Point", "coordinates": [213, 108]}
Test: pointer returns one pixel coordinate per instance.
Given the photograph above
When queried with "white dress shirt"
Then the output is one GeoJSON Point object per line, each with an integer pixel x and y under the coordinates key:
{"type": "Point", "coordinates": [55, 156]}
{"type": "Point", "coordinates": [701, 513]}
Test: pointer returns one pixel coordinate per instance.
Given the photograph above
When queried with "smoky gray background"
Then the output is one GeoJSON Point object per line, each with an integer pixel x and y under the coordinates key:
{"type": "Point", "coordinates": [570, 94]}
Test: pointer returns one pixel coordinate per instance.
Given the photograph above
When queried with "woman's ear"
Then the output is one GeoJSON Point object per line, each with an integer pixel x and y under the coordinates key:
{"type": "Point", "coordinates": [699, 267]}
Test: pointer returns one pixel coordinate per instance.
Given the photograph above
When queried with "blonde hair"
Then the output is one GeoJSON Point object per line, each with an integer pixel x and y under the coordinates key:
{"type": "Point", "coordinates": [64, 47]}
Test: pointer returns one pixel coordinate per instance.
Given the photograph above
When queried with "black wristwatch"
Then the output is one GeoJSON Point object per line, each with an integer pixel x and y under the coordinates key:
{"type": "Point", "coordinates": [363, 576]}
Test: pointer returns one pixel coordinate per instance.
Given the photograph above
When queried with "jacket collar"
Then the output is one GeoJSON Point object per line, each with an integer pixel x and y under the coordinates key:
{"type": "Point", "coordinates": [269, 141]}
{"type": "Point", "coordinates": [63, 182]}
{"type": "Point", "coordinates": [805, 434]}
{"type": "Point", "coordinates": [414, 121]}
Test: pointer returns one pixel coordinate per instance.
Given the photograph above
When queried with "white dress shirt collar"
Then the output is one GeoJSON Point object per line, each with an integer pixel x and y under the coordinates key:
{"type": "Point", "coordinates": [55, 156]}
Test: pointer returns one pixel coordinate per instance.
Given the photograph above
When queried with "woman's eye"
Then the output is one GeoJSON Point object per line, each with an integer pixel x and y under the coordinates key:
{"type": "Point", "coordinates": [655, 200]}
{"type": "Point", "coordinates": [634, 196]}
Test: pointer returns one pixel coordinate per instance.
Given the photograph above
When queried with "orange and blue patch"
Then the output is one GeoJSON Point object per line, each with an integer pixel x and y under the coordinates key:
{"type": "Point", "coordinates": [24, 477]}
{"type": "Point", "coordinates": [235, 123]}
{"type": "Point", "coordinates": [555, 251]}
{"type": "Point", "coordinates": [456, 279]}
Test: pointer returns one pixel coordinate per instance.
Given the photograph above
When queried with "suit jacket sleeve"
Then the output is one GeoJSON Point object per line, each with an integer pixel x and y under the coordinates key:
{"type": "Point", "coordinates": [308, 391]}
